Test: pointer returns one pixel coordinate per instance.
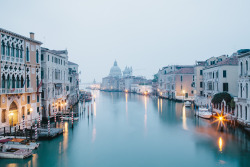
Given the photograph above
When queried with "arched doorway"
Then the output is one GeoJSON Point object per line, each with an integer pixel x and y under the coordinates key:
{"type": "Point", "coordinates": [13, 114]}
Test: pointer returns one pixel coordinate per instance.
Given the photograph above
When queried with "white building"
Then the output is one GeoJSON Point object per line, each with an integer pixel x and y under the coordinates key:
{"type": "Point", "coordinates": [243, 98]}
{"type": "Point", "coordinates": [54, 74]}
{"type": "Point", "coordinates": [221, 77]}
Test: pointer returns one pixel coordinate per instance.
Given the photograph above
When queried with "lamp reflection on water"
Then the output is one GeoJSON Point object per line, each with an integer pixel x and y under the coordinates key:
{"type": "Point", "coordinates": [94, 108]}
{"type": "Point", "coordinates": [220, 144]}
{"type": "Point", "coordinates": [184, 118]}
{"type": "Point", "coordinates": [65, 135]}
{"type": "Point", "coordinates": [158, 104]}
{"type": "Point", "coordinates": [161, 105]}
{"type": "Point", "coordinates": [145, 115]}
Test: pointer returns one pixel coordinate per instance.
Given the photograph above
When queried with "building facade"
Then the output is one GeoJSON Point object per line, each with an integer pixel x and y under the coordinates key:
{"type": "Point", "coordinates": [243, 98]}
{"type": "Point", "coordinates": [73, 77]}
{"type": "Point", "coordinates": [54, 74]}
{"type": "Point", "coordinates": [20, 78]}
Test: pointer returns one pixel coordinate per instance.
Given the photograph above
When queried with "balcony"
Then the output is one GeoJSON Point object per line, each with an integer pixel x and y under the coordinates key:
{"type": "Point", "coordinates": [12, 59]}
{"type": "Point", "coordinates": [29, 90]}
{"type": "Point", "coordinates": [12, 91]}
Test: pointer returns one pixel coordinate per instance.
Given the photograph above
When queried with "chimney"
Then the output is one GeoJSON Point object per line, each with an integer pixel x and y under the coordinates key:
{"type": "Point", "coordinates": [32, 35]}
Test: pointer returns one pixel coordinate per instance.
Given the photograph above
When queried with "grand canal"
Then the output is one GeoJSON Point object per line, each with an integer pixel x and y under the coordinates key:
{"type": "Point", "coordinates": [133, 130]}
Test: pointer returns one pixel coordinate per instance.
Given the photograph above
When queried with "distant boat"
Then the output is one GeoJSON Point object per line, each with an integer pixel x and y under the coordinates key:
{"type": "Point", "coordinates": [204, 113]}
{"type": "Point", "coordinates": [187, 104]}
{"type": "Point", "coordinates": [20, 144]}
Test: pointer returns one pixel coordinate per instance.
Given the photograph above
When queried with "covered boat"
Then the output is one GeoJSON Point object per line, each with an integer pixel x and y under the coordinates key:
{"type": "Point", "coordinates": [204, 113]}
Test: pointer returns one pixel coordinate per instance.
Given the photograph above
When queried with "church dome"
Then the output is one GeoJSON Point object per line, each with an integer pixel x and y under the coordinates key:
{"type": "Point", "coordinates": [115, 71]}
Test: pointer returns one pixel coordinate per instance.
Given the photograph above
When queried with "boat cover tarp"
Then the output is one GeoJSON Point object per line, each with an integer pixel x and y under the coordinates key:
{"type": "Point", "coordinates": [5, 140]}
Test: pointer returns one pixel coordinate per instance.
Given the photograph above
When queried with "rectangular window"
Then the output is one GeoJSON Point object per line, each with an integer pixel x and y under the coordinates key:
{"type": "Point", "coordinates": [37, 109]}
{"type": "Point", "coordinates": [224, 73]}
{"type": "Point", "coordinates": [201, 92]}
{"type": "Point", "coordinates": [181, 78]}
{"type": "Point", "coordinates": [37, 97]}
{"type": "Point", "coordinates": [52, 59]}
{"type": "Point", "coordinates": [201, 72]}
{"type": "Point", "coordinates": [42, 57]}
{"type": "Point", "coordinates": [225, 87]}
{"type": "Point", "coordinates": [28, 99]}
{"type": "Point", "coordinates": [48, 57]}
{"type": "Point", "coordinates": [201, 84]}
{"type": "Point", "coordinates": [3, 116]}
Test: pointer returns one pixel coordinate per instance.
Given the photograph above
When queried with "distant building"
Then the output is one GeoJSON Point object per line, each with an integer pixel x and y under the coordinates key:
{"type": "Point", "coordinates": [243, 98]}
{"type": "Point", "coordinates": [115, 81]}
{"type": "Point", "coordinates": [73, 76]}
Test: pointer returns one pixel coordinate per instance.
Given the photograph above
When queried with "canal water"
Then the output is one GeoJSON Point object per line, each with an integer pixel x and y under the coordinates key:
{"type": "Point", "coordinates": [128, 130]}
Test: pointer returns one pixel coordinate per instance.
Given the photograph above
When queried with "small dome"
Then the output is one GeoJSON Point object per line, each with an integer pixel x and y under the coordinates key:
{"type": "Point", "coordinates": [115, 71]}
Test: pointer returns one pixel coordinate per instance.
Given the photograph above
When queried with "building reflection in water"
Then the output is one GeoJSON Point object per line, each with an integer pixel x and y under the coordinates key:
{"type": "Point", "coordinates": [94, 109]}
{"type": "Point", "coordinates": [161, 105]}
{"type": "Point", "coordinates": [184, 118]}
{"type": "Point", "coordinates": [93, 134]}
{"type": "Point", "coordinates": [126, 97]}
{"type": "Point", "coordinates": [145, 115]}
{"type": "Point", "coordinates": [158, 102]}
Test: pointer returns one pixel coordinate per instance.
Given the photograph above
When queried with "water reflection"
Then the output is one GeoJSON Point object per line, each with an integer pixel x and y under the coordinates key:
{"type": "Point", "coordinates": [184, 119]}
{"type": "Point", "coordinates": [145, 115]}
{"type": "Point", "coordinates": [93, 134]}
{"type": "Point", "coordinates": [65, 135]}
{"type": "Point", "coordinates": [220, 144]}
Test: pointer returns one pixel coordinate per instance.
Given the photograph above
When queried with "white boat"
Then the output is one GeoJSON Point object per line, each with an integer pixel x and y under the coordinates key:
{"type": "Point", "coordinates": [21, 144]}
{"type": "Point", "coordinates": [187, 104]}
{"type": "Point", "coordinates": [8, 152]}
{"type": "Point", "coordinates": [70, 118]}
{"type": "Point", "coordinates": [204, 113]}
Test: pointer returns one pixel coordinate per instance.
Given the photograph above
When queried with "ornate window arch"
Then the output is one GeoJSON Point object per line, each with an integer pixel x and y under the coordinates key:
{"type": "Point", "coordinates": [3, 48]}
{"type": "Point", "coordinates": [8, 49]}
{"type": "Point", "coordinates": [37, 56]}
{"type": "Point", "coordinates": [17, 51]}
{"type": "Point", "coordinates": [12, 50]}
{"type": "Point", "coordinates": [27, 54]}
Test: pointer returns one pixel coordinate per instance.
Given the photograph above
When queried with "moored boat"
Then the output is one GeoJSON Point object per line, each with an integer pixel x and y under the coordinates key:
{"type": "Point", "coordinates": [19, 143]}
{"type": "Point", "coordinates": [8, 152]}
{"type": "Point", "coordinates": [187, 104]}
{"type": "Point", "coordinates": [204, 113]}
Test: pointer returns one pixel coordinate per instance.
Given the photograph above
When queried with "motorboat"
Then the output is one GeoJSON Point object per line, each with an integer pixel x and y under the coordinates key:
{"type": "Point", "coordinates": [204, 113]}
{"type": "Point", "coordinates": [20, 143]}
{"type": "Point", "coordinates": [8, 152]}
{"type": "Point", "coordinates": [187, 104]}
{"type": "Point", "coordinates": [68, 118]}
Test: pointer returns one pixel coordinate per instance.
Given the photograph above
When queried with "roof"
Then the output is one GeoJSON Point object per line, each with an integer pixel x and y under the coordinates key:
{"type": "Point", "coordinates": [51, 51]}
{"type": "Point", "coordinates": [60, 51]}
{"type": "Point", "coordinates": [229, 61]}
{"type": "Point", "coordinates": [20, 36]}
{"type": "Point", "coordinates": [71, 63]}
{"type": "Point", "coordinates": [183, 71]}
{"type": "Point", "coordinates": [244, 54]}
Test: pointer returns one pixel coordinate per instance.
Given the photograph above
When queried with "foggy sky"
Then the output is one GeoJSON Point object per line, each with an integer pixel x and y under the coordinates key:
{"type": "Point", "coordinates": [144, 34]}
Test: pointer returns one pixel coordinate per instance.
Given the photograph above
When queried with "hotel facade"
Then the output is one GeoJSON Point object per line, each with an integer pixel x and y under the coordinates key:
{"type": "Point", "coordinates": [20, 78]}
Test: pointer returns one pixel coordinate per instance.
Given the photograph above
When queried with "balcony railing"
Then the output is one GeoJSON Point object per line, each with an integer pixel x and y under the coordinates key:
{"type": "Point", "coordinates": [12, 59]}
{"type": "Point", "coordinates": [29, 90]}
{"type": "Point", "coordinates": [12, 91]}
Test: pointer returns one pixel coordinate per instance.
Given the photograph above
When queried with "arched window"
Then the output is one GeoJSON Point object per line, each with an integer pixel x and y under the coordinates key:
{"type": "Point", "coordinates": [27, 54]}
{"type": "Point", "coordinates": [17, 82]}
{"type": "Point", "coordinates": [21, 52]}
{"type": "Point", "coordinates": [241, 68]}
{"type": "Point", "coordinates": [28, 81]}
{"type": "Point", "coordinates": [37, 81]}
{"type": "Point", "coordinates": [22, 82]}
{"type": "Point", "coordinates": [37, 56]}
{"type": "Point", "coordinates": [247, 90]}
{"type": "Point", "coordinates": [12, 50]}
{"type": "Point", "coordinates": [3, 81]}
{"type": "Point", "coordinates": [8, 49]}
{"type": "Point", "coordinates": [17, 51]}
{"type": "Point", "coordinates": [247, 66]}
{"type": "Point", "coordinates": [13, 81]}
{"type": "Point", "coordinates": [8, 81]}
{"type": "Point", "coordinates": [241, 90]}
{"type": "Point", "coordinates": [3, 48]}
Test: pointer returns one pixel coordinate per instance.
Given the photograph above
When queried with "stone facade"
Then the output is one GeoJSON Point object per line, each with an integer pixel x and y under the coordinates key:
{"type": "Point", "coordinates": [54, 74]}
{"type": "Point", "coordinates": [243, 98]}
{"type": "Point", "coordinates": [20, 78]}
{"type": "Point", "coordinates": [73, 75]}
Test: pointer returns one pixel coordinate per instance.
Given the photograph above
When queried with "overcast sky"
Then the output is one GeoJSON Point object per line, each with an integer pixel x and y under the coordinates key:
{"type": "Point", "coordinates": [144, 34]}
